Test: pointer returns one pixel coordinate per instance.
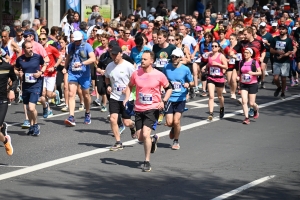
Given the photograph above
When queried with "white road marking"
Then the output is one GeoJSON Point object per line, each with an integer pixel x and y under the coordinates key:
{"type": "Point", "coordinates": [14, 166]}
{"type": "Point", "coordinates": [244, 187]}
{"type": "Point", "coordinates": [131, 142]}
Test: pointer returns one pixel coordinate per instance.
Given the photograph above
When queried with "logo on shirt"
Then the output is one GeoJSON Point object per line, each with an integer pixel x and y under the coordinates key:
{"type": "Point", "coordinates": [163, 55]}
{"type": "Point", "coordinates": [124, 48]}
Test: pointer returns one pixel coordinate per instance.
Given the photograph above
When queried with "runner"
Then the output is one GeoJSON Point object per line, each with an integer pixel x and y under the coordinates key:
{"type": "Point", "coordinates": [6, 73]}
{"type": "Point", "coordinates": [282, 48]}
{"type": "Point", "coordinates": [50, 75]}
{"type": "Point", "coordinates": [233, 54]}
{"type": "Point", "coordinates": [216, 66]}
{"type": "Point", "coordinates": [80, 56]}
{"type": "Point", "coordinates": [117, 75]}
{"type": "Point", "coordinates": [181, 78]}
{"type": "Point", "coordinates": [148, 102]}
{"type": "Point", "coordinates": [249, 70]}
{"type": "Point", "coordinates": [29, 66]}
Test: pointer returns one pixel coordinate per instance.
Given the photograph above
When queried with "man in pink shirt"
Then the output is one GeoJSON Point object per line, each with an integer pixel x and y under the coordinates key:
{"type": "Point", "coordinates": [148, 102]}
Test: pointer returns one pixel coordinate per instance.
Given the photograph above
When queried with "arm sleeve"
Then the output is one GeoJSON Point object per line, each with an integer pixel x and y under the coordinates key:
{"type": "Point", "coordinates": [13, 78]}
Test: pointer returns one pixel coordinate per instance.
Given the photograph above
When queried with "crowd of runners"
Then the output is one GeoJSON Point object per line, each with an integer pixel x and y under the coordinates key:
{"type": "Point", "coordinates": [143, 68]}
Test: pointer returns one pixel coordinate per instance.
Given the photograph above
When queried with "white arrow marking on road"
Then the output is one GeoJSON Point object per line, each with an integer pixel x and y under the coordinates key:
{"type": "Point", "coordinates": [196, 104]}
{"type": "Point", "coordinates": [244, 187]}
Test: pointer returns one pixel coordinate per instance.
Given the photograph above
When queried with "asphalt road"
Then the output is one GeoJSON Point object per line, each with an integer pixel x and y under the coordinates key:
{"type": "Point", "coordinates": [215, 157]}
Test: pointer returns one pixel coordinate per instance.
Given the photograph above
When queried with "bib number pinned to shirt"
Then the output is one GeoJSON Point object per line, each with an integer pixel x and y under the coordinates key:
{"type": "Point", "coordinates": [214, 71]}
{"type": "Point", "coordinates": [177, 86]}
{"type": "Point", "coordinates": [246, 78]}
{"type": "Point", "coordinates": [29, 78]}
{"type": "Point", "coordinates": [145, 98]}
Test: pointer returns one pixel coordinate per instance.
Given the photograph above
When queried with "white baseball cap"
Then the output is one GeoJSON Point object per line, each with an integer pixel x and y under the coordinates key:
{"type": "Point", "coordinates": [266, 8]}
{"type": "Point", "coordinates": [152, 10]}
{"type": "Point", "coordinates": [159, 18]}
{"type": "Point", "coordinates": [177, 52]}
{"type": "Point", "coordinates": [263, 24]}
{"type": "Point", "coordinates": [274, 24]}
{"type": "Point", "coordinates": [77, 35]}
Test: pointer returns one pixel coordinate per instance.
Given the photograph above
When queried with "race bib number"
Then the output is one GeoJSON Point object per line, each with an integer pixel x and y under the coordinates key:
{"type": "Point", "coordinates": [177, 86]}
{"type": "Point", "coordinates": [161, 62]}
{"type": "Point", "coordinates": [280, 45]}
{"type": "Point", "coordinates": [239, 57]}
{"type": "Point", "coordinates": [246, 78]}
{"type": "Point", "coordinates": [231, 61]}
{"type": "Point", "coordinates": [145, 98]}
{"type": "Point", "coordinates": [29, 78]}
{"type": "Point", "coordinates": [120, 88]}
{"type": "Point", "coordinates": [76, 68]}
{"type": "Point", "coordinates": [214, 71]}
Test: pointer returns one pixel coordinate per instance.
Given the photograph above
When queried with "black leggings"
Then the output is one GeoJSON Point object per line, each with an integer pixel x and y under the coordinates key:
{"type": "Point", "coordinates": [3, 111]}
{"type": "Point", "coordinates": [59, 80]}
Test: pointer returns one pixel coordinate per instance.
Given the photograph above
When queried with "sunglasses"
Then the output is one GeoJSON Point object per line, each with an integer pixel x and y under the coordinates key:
{"type": "Point", "coordinates": [42, 39]}
{"type": "Point", "coordinates": [175, 57]}
{"type": "Point", "coordinates": [214, 46]}
{"type": "Point", "coordinates": [171, 40]}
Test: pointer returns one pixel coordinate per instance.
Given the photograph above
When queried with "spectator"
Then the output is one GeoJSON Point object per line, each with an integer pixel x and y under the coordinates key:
{"type": "Point", "coordinates": [95, 13]}
{"type": "Point", "coordinates": [173, 12]}
{"type": "Point", "coordinates": [35, 27]}
{"type": "Point", "coordinates": [17, 25]}
{"type": "Point", "coordinates": [200, 7]}
{"type": "Point", "coordinates": [151, 15]}
{"type": "Point", "coordinates": [231, 6]}
{"type": "Point", "coordinates": [76, 21]}
{"type": "Point", "coordinates": [83, 28]}
{"type": "Point", "coordinates": [210, 7]}
{"type": "Point", "coordinates": [118, 15]}
{"type": "Point", "coordinates": [139, 11]}
{"type": "Point", "coordinates": [159, 8]}
{"type": "Point", "coordinates": [37, 9]}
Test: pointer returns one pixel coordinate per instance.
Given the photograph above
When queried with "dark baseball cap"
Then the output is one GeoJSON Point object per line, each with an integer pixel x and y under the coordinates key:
{"type": "Point", "coordinates": [283, 26]}
{"type": "Point", "coordinates": [28, 32]}
{"type": "Point", "coordinates": [113, 43]}
{"type": "Point", "coordinates": [115, 50]}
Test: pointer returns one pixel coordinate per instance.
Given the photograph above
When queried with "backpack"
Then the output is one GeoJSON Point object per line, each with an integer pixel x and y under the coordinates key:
{"type": "Point", "coordinates": [253, 65]}
{"type": "Point", "coordinates": [82, 55]}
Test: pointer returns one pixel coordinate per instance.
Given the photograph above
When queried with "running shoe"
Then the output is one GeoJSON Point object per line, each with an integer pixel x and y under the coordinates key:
{"type": "Point", "coordinates": [292, 83]}
{"type": "Point", "coordinates": [4, 128]}
{"type": "Point", "coordinates": [93, 93]}
{"type": "Point", "coordinates": [121, 128]}
{"type": "Point", "coordinates": [38, 103]}
{"type": "Point", "coordinates": [133, 133]}
{"type": "Point", "coordinates": [20, 98]}
{"type": "Point", "coordinates": [70, 121]}
{"type": "Point", "coordinates": [221, 112]}
{"type": "Point", "coordinates": [36, 130]}
{"type": "Point", "coordinates": [210, 116]}
{"type": "Point", "coordinates": [116, 147]}
{"type": "Point", "coordinates": [97, 102]}
{"type": "Point", "coordinates": [62, 104]}
{"type": "Point", "coordinates": [192, 93]}
{"type": "Point", "coordinates": [103, 109]}
{"type": "Point", "coordinates": [50, 113]}
{"type": "Point", "coordinates": [256, 114]}
{"type": "Point", "coordinates": [232, 96]}
{"type": "Point", "coordinates": [266, 73]}
{"type": "Point", "coordinates": [246, 121]}
{"type": "Point", "coordinates": [108, 117]}
{"type": "Point", "coordinates": [87, 118]}
{"type": "Point", "coordinates": [160, 118]}
{"type": "Point", "coordinates": [171, 134]}
{"type": "Point", "coordinates": [8, 146]}
{"type": "Point", "coordinates": [31, 130]}
{"type": "Point", "coordinates": [52, 101]}
{"type": "Point", "coordinates": [65, 109]}
{"type": "Point", "coordinates": [196, 90]}
{"type": "Point", "coordinates": [45, 111]}
{"type": "Point", "coordinates": [17, 95]}
{"type": "Point", "coordinates": [147, 166]}
{"type": "Point", "coordinates": [154, 139]}
{"type": "Point", "coordinates": [276, 93]}
{"type": "Point", "coordinates": [282, 96]}
{"type": "Point", "coordinates": [57, 99]}
{"type": "Point", "coordinates": [296, 82]}
{"type": "Point", "coordinates": [175, 145]}
{"type": "Point", "coordinates": [200, 85]}
{"type": "Point", "coordinates": [251, 112]}
{"type": "Point", "coordinates": [81, 107]}
{"type": "Point", "coordinates": [203, 94]}
{"type": "Point", "coordinates": [185, 109]}
{"type": "Point", "coordinates": [262, 86]}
